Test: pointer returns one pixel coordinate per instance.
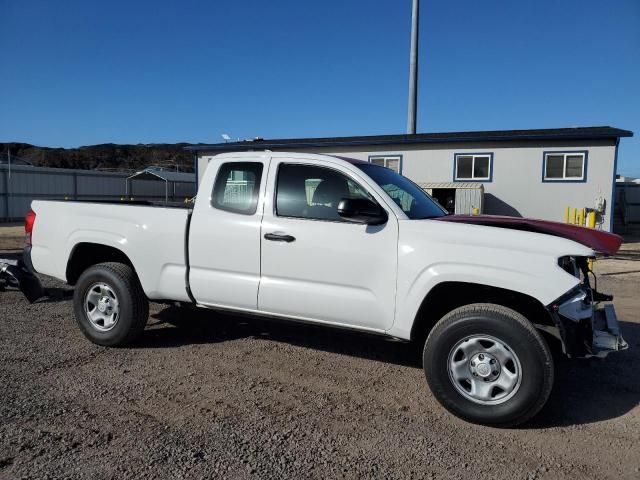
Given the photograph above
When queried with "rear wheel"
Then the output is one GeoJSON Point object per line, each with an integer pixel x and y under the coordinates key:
{"type": "Point", "coordinates": [487, 364]}
{"type": "Point", "coordinates": [110, 306]}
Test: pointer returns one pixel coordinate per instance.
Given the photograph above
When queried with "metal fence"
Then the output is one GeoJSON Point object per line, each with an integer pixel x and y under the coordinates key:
{"type": "Point", "coordinates": [19, 185]}
{"type": "Point", "coordinates": [628, 203]}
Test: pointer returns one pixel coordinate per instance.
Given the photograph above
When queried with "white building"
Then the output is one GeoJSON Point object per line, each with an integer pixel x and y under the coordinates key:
{"type": "Point", "coordinates": [529, 173]}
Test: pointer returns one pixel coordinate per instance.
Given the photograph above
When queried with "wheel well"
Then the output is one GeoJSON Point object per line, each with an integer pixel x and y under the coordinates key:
{"type": "Point", "coordinates": [84, 255]}
{"type": "Point", "coordinates": [448, 296]}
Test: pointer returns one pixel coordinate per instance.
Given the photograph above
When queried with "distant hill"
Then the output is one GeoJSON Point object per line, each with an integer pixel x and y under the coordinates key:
{"type": "Point", "coordinates": [106, 156]}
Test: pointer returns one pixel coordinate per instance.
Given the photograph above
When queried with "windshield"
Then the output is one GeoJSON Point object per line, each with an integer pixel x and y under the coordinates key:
{"type": "Point", "coordinates": [413, 201]}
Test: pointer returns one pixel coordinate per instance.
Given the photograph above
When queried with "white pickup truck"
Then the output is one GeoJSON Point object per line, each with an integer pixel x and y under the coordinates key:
{"type": "Point", "coordinates": [341, 242]}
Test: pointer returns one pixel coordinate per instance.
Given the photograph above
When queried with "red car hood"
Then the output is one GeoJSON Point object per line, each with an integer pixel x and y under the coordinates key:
{"type": "Point", "coordinates": [603, 242]}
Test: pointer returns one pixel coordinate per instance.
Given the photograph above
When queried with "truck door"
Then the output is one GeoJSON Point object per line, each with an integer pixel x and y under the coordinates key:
{"type": "Point", "coordinates": [316, 265]}
{"type": "Point", "coordinates": [224, 240]}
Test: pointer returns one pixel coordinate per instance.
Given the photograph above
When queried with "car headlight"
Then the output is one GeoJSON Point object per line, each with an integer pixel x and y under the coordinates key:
{"type": "Point", "coordinates": [570, 265]}
{"type": "Point", "coordinates": [577, 266]}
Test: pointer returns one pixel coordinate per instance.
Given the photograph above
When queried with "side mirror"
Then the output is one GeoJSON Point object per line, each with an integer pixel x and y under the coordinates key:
{"type": "Point", "coordinates": [362, 210]}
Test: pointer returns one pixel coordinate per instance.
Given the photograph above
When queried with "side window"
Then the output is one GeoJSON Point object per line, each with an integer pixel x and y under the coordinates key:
{"type": "Point", "coordinates": [313, 192]}
{"type": "Point", "coordinates": [473, 166]}
{"type": "Point", "coordinates": [565, 166]}
{"type": "Point", "coordinates": [237, 187]}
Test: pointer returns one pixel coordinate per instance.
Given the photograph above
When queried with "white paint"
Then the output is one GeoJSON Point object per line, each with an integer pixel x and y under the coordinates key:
{"type": "Point", "coordinates": [339, 272]}
{"type": "Point", "coordinates": [224, 247]}
{"type": "Point", "coordinates": [151, 237]}
{"type": "Point", "coordinates": [370, 278]}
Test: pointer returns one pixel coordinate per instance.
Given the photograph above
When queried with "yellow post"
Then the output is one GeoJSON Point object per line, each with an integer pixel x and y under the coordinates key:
{"type": "Point", "coordinates": [581, 217]}
{"type": "Point", "coordinates": [591, 223]}
{"type": "Point", "coordinates": [566, 214]}
{"type": "Point", "coordinates": [574, 212]}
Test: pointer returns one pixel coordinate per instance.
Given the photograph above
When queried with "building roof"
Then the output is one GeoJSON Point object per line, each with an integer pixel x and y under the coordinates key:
{"type": "Point", "coordinates": [575, 133]}
{"type": "Point", "coordinates": [455, 185]}
{"type": "Point", "coordinates": [164, 175]}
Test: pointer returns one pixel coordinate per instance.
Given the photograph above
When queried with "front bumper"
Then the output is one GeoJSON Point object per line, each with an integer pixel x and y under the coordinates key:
{"type": "Point", "coordinates": [586, 329]}
{"type": "Point", "coordinates": [606, 332]}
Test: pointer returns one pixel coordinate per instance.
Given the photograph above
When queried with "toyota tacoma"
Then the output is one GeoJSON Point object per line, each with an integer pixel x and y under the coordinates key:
{"type": "Point", "coordinates": [344, 243]}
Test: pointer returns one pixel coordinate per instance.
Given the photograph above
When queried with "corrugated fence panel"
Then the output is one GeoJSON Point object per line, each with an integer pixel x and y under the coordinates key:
{"type": "Point", "coordinates": [29, 183]}
{"type": "Point", "coordinates": [41, 184]}
{"type": "Point", "coordinates": [633, 213]}
{"type": "Point", "coordinates": [148, 188]}
{"type": "Point", "coordinates": [187, 190]}
{"type": "Point", "coordinates": [18, 207]}
{"type": "Point", "coordinates": [629, 197]}
{"type": "Point", "coordinates": [632, 194]}
{"type": "Point", "coordinates": [105, 184]}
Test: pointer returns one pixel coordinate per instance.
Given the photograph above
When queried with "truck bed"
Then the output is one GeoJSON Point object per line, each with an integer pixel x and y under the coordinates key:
{"type": "Point", "coordinates": [151, 235]}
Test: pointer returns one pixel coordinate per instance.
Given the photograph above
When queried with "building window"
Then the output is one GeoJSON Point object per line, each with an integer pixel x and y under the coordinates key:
{"type": "Point", "coordinates": [393, 162]}
{"type": "Point", "coordinates": [237, 187]}
{"type": "Point", "coordinates": [473, 166]}
{"type": "Point", "coordinates": [564, 166]}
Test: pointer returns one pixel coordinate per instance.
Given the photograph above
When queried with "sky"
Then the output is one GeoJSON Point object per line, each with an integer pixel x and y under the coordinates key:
{"type": "Point", "coordinates": [80, 72]}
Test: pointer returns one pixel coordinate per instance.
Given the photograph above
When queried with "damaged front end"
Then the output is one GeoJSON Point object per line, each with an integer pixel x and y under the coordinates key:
{"type": "Point", "coordinates": [587, 327]}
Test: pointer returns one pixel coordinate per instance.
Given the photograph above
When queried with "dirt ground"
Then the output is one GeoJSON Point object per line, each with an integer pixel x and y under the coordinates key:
{"type": "Point", "coordinates": [205, 395]}
{"type": "Point", "coordinates": [11, 236]}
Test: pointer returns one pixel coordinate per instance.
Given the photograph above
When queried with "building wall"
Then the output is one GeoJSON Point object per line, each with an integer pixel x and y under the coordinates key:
{"type": "Point", "coordinates": [516, 187]}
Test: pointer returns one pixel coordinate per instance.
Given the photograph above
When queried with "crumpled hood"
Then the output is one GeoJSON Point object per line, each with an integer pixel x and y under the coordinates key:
{"type": "Point", "coordinates": [603, 242]}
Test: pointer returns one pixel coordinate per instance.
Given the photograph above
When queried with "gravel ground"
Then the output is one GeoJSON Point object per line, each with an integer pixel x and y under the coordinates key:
{"type": "Point", "coordinates": [11, 235]}
{"type": "Point", "coordinates": [206, 395]}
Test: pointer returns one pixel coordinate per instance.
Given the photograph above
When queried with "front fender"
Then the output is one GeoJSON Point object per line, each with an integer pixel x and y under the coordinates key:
{"type": "Point", "coordinates": [539, 283]}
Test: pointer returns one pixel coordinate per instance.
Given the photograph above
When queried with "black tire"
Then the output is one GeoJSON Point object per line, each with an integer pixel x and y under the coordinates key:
{"type": "Point", "coordinates": [133, 306]}
{"type": "Point", "coordinates": [521, 338]}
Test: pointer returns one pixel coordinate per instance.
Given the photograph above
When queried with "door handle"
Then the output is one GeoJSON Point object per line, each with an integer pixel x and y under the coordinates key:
{"type": "Point", "coordinates": [279, 237]}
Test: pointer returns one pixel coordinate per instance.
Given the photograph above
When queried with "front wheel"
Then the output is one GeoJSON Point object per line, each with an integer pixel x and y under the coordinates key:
{"type": "Point", "coordinates": [487, 364]}
{"type": "Point", "coordinates": [110, 306]}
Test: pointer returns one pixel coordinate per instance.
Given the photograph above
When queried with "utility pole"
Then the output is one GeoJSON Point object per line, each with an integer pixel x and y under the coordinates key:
{"type": "Point", "coordinates": [413, 69]}
{"type": "Point", "coordinates": [8, 184]}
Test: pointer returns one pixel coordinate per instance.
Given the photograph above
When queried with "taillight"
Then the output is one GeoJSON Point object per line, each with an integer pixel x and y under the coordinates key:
{"type": "Point", "coordinates": [29, 222]}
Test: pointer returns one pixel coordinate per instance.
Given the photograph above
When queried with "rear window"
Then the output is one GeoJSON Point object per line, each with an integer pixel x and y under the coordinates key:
{"type": "Point", "coordinates": [237, 187]}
